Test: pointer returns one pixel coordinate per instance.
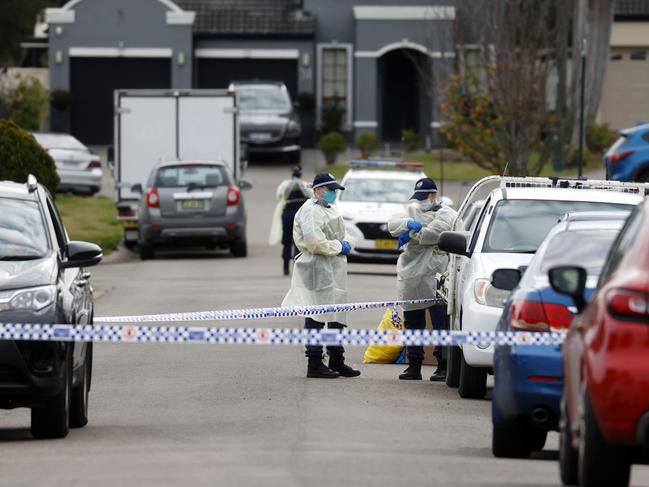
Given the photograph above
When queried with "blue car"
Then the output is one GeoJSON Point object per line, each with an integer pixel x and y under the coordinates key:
{"type": "Point", "coordinates": [628, 159]}
{"type": "Point", "coordinates": [529, 379]}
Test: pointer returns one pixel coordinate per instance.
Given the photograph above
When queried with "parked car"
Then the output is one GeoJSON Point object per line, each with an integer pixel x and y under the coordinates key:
{"type": "Point", "coordinates": [628, 157]}
{"type": "Point", "coordinates": [269, 122]}
{"type": "Point", "coordinates": [529, 379]}
{"type": "Point", "coordinates": [605, 408]}
{"type": "Point", "coordinates": [43, 280]}
{"type": "Point", "coordinates": [192, 203]}
{"type": "Point", "coordinates": [77, 166]}
{"type": "Point", "coordinates": [515, 219]}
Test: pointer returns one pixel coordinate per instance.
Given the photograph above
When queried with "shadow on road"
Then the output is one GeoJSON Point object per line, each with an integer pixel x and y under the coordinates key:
{"type": "Point", "coordinates": [15, 434]}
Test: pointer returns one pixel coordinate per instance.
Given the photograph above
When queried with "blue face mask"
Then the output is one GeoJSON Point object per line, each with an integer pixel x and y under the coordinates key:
{"type": "Point", "coordinates": [329, 197]}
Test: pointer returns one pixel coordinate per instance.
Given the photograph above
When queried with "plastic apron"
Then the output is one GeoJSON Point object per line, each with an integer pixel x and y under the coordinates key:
{"type": "Point", "coordinates": [421, 259]}
{"type": "Point", "coordinates": [320, 271]}
{"type": "Point", "coordinates": [283, 190]}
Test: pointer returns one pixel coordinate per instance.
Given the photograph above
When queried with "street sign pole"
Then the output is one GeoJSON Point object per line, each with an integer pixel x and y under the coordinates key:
{"type": "Point", "coordinates": [582, 107]}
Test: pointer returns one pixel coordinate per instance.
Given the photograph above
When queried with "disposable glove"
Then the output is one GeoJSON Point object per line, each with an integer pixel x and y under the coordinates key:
{"type": "Point", "coordinates": [414, 225]}
{"type": "Point", "coordinates": [347, 248]}
{"type": "Point", "coordinates": [403, 239]}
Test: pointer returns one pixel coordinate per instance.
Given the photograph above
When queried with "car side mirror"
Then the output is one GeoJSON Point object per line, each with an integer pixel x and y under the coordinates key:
{"type": "Point", "coordinates": [453, 243]}
{"type": "Point", "coordinates": [244, 185]}
{"type": "Point", "coordinates": [570, 281]}
{"type": "Point", "coordinates": [82, 254]}
{"type": "Point", "coordinates": [506, 279]}
{"type": "Point", "coordinates": [137, 188]}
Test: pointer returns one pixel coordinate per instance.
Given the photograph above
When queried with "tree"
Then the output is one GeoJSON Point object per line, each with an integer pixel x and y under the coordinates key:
{"type": "Point", "coordinates": [23, 100]}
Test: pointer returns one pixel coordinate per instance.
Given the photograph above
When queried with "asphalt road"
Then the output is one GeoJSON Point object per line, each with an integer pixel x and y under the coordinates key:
{"type": "Point", "coordinates": [247, 416]}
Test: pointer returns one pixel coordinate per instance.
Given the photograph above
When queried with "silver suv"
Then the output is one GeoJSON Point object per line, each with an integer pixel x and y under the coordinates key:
{"type": "Point", "coordinates": [192, 203]}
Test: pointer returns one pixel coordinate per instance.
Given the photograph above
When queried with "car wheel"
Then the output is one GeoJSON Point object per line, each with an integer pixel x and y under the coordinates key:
{"type": "Point", "coordinates": [79, 401]}
{"type": "Point", "coordinates": [239, 248]}
{"type": "Point", "coordinates": [511, 441]}
{"type": "Point", "coordinates": [94, 190]}
{"type": "Point", "coordinates": [53, 419]}
{"type": "Point", "coordinates": [295, 157]}
{"type": "Point", "coordinates": [453, 366]}
{"type": "Point", "coordinates": [600, 463]}
{"type": "Point", "coordinates": [538, 437]}
{"type": "Point", "coordinates": [130, 244]}
{"type": "Point", "coordinates": [473, 381]}
{"type": "Point", "coordinates": [146, 251]}
{"type": "Point", "coordinates": [568, 456]}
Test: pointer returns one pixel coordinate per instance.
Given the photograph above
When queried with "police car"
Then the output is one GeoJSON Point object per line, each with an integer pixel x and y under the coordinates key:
{"type": "Point", "coordinates": [374, 191]}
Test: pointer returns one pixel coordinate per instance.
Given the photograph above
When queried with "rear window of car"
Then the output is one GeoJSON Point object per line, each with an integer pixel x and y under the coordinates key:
{"type": "Point", "coordinates": [519, 226]}
{"type": "Point", "coordinates": [59, 141]}
{"type": "Point", "coordinates": [23, 234]}
{"type": "Point", "coordinates": [588, 247]}
{"type": "Point", "coordinates": [377, 190]}
{"type": "Point", "coordinates": [203, 176]}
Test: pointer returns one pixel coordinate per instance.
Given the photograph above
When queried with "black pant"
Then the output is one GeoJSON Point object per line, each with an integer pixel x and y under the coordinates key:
{"type": "Point", "coordinates": [316, 350]}
{"type": "Point", "coordinates": [289, 251]}
{"type": "Point", "coordinates": [416, 320]}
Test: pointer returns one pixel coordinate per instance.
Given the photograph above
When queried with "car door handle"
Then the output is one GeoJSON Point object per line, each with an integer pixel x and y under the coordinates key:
{"type": "Point", "coordinates": [81, 283]}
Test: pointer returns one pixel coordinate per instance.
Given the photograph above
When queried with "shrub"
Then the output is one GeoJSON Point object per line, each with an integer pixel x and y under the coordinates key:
{"type": "Point", "coordinates": [332, 118]}
{"type": "Point", "coordinates": [21, 155]}
{"type": "Point", "coordinates": [331, 145]}
{"type": "Point", "coordinates": [410, 139]}
{"type": "Point", "coordinates": [367, 142]}
{"type": "Point", "coordinates": [24, 100]}
{"type": "Point", "coordinates": [306, 101]}
{"type": "Point", "coordinates": [61, 100]}
{"type": "Point", "coordinates": [599, 137]}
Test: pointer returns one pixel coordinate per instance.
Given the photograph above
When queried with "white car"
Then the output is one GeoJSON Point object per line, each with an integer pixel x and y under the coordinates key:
{"type": "Point", "coordinates": [77, 166]}
{"type": "Point", "coordinates": [515, 219]}
{"type": "Point", "coordinates": [369, 199]}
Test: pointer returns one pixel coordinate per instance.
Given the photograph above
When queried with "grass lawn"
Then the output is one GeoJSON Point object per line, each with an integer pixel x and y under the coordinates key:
{"type": "Point", "coordinates": [457, 170]}
{"type": "Point", "coordinates": [92, 219]}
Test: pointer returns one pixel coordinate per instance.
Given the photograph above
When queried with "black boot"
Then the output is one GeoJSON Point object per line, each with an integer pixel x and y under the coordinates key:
{"type": "Point", "coordinates": [337, 364]}
{"type": "Point", "coordinates": [440, 372]}
{"type": "Point", "coordinates": [318, 370]}
{"type": "Point", "coordinates": [413, 372]}
{"type": "Point", "coordinates": [286, 271]}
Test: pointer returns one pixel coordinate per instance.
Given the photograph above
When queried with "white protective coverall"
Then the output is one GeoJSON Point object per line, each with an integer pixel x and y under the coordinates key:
{"type": "Point", "coordinates": [320, 270]}
{"type": "Point", "coordinates": [421, 258]}
{"type": "Point", "coordinates": [283, 191]}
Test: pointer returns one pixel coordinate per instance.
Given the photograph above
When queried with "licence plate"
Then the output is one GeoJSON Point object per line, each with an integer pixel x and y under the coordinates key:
{"type": "Point", "coordinates": [192, 204]}
{"type": "Point", "coordinates": [261, 136]}
{"type": "Point", "coordinates": [128, 223]}
{"type": "Point", "coordinates": [385, 244]}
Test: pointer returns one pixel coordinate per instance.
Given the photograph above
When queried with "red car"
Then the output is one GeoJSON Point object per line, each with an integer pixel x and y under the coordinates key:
{"type": "Point", "coordinates": [604, 423]}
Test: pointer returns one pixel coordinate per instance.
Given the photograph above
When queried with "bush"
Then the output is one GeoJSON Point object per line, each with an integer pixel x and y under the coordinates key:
{"type": "Point", "coordinates": [331, 145]}
{"type": "Point", "coordinates": [21, 155]}
{"type": "Point", "coordinates": [367, 142]}
{"type": "Point", "coordinates": [599, 137]}
{"type": "Point", "coordinates": [24, 100]}
{"type": "Point", "coordinates": [332, 118]}
{"type": "Point", "coordinates": [61, 100]}
{"type": "Point", "coordinates": [410, 139]}
{"type": "Point", "coordinates": [306, 101]}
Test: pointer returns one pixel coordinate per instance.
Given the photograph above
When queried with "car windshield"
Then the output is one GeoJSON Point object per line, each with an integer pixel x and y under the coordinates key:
{"type": "Point", "coordinates": [199, 176]}
{"type": "Point", "coordinates": [59, 141]}
{"type": "Point", "coordinates": [264, 99]}
{"type": "Point", "coordinates": [377, 190]}
{"type": "Point", "coordinates": [519, 226]}
{"type": "Point", "coordinates": [22, 230]}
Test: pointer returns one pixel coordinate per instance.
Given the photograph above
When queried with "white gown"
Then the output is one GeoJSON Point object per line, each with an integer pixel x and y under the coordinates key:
{"type": "Point", "coordinates": [283, 191]}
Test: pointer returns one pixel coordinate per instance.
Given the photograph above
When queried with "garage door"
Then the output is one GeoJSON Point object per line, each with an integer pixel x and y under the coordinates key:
{"type": "Point", "coordinates": [626, 89]}
{"type": "Point", "coordinates": [218, 73]}
{"type": "Point", "coordinates": [92, 83]}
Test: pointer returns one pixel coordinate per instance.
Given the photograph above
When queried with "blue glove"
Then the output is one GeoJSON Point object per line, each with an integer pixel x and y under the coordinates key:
{"type": "Point", "coordinates": [414, 225]}
{"type": "Point", "coordinates": [347, 248]}
{"type": "Point", "coordinates": [403, 239]}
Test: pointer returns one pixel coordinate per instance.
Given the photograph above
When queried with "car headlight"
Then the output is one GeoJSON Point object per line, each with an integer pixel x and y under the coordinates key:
{"type": "Point", "coordinates": [32, 299]}
{"type": "Point", "coordinates": [488, 295]}
{"type": "Point", "coordinates": [294, 127]}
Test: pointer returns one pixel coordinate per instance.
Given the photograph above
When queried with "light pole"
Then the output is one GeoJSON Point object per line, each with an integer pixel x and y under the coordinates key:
{"type": "Point", "coordinates": [582, 107]}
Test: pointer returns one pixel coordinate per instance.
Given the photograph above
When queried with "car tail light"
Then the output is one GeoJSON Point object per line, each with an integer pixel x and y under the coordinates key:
{"type": "Point", "coordinates": [627, 304]}
{"type": "Point", "coordinates": [152, 198]}
{"type": "Point", "coordinates": [94, 165]}
{"type": "Point", "coordinates": [234, 196]}
{"type": "Point", "coordinates": [538, 316]}
{"type": "Point", "coordinates": [620, 156]}
{"type": "Point", "coordinates": [125, 211]}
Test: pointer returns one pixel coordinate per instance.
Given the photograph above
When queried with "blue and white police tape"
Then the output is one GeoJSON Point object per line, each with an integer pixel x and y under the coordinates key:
{"type": "Point", "coordinates": [266, 336]}
{"type": "Point", "coordinates": [263, 313]}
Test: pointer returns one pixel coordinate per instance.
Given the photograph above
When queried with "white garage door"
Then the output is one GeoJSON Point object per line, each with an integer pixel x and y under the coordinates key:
{"type": "Point", "coordinates": [626, 89]}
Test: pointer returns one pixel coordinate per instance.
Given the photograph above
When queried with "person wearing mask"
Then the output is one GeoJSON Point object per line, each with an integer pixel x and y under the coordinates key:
{"type": "Point", "coordinates": [320, 272]}
{"type": "Point", "coordinates": [418, 228]}
{"type": "Point", "coordinates": [291, 195]}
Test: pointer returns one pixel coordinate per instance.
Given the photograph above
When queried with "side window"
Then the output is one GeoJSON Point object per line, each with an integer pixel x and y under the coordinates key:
{"type": "Point", "coordinates": [623, 243]}
{"type": "Point", "coordinates": [59, 229]}
{"type": "Point", "coordinates": [478, 226]}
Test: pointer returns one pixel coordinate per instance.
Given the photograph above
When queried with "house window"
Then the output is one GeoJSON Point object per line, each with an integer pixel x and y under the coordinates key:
{"type": "Point", "coordinates": [638, 55]}
{"type": "Point", "coordinates": [334, 81]}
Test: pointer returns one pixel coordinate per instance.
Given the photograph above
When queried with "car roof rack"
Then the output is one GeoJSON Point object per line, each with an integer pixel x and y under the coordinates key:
{"type": "Point", "coordinates": [387, 163]}
{"type": "Point", "coordinates": [32, 183]}
{"type": "Point", "coordinates": [573, 183]}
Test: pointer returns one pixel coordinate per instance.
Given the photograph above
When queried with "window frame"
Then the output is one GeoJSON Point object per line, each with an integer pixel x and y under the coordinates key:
{"type": "Point", "coordinates": [349, 115]}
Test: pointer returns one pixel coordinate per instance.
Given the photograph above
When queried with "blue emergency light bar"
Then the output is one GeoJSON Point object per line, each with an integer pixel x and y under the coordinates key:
{"type": "Point", "coordinates": [393, 164]}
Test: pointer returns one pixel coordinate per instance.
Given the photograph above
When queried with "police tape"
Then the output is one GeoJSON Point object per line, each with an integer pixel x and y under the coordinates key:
{"type": "Point", "coordinates": [264, 313]}
{"type": "Point", "coordinates": [267, 336]}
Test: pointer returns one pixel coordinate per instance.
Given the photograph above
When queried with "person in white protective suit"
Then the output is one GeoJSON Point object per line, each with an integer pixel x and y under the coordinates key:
{"type": "Point", "coordinates": [291, 195]}
{"type": "Point", "coordinates": [320, 272]}
{"type": "Point", "coordinates": [418, 228]}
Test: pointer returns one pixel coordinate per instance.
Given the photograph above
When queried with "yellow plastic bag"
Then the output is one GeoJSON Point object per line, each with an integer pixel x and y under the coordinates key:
{"type": "Point", "coordinates": [385, 354]}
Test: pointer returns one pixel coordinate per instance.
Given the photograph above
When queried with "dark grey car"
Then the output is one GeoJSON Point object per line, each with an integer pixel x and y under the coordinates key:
{"type": "Point", "coordinates": [268, 120]}
{"type": "Point", "coordinates": [192, 203]}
